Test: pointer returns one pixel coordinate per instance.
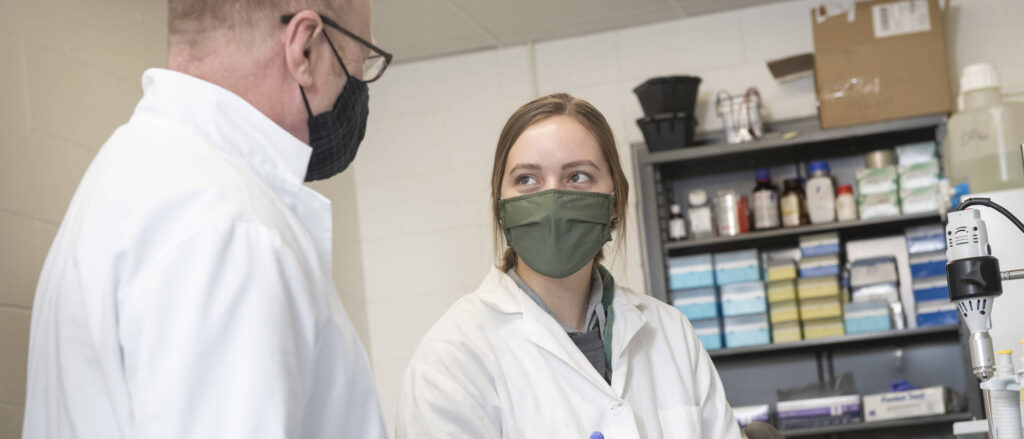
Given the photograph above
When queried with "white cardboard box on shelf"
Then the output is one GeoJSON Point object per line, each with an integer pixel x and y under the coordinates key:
{"type": "Point", "coordinates": [929, 401]}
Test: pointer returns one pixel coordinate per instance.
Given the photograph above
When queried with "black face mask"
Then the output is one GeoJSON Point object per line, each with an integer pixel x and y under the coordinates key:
{"type": "Point", "coordinates": [336, 134]}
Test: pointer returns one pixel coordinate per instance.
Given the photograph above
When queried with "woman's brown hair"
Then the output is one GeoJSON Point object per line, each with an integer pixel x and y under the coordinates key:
{"type": "Point", "coordinates": [558, 104]}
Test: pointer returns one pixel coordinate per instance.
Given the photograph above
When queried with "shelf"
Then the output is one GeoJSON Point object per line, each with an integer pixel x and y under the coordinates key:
{"type": "Point", "coordinates": [772, 234]}
{"type": "Point", "coordinates": [846, 340]}
{"type": "Point", "coordinates": [864, 426]}
{"type": "Point", "coordinates": [808, 132]}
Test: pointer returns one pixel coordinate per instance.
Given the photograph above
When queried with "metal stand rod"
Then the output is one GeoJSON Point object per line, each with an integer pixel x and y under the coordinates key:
{"type": "Point", "coordinates": [1013, 274]}
{"type": "Point", "coordinates": [986, 395]}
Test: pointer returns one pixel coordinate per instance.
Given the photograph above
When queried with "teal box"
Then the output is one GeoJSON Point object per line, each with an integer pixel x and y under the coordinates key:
{"type": "Point", "coordinates": [748, 330]}
{"type": "Point", "coordinates": [709, 331]}
{"type": "Point", "coordinates": [743, 298]}
{"type": "Point", "coordinates": [868, 324]}
{"type": "Point", "coordinates": [737, 266]}
{"type": "Point", "coordinates": [695, 271]}
{"type": "Point", "coordinates": [696, 304]}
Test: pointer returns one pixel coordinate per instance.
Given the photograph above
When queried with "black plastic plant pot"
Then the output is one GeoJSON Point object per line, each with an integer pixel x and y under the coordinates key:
{"type": "Point", "coordinates": [668, 131]}
{"type": "Point", "coordinates": [669, 94]}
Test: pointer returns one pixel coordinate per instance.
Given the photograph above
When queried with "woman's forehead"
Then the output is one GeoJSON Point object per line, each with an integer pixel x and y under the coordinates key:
{"type": "Point", "coordinates": [554, 140]}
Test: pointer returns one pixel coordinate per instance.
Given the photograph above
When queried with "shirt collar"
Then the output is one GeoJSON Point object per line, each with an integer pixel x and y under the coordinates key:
{"type": "Point", "coordinates": [595, 312]}
{"type": "Point", "coordinates": [228, 123]}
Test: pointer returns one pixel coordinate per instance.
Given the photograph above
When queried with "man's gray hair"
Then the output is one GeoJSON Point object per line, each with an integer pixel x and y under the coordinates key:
{"type": "Point", "coordinates": [188, 20]}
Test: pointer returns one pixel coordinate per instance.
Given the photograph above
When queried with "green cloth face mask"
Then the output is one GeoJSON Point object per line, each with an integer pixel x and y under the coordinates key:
{"type": "Point", "coordinates": [557, 232]}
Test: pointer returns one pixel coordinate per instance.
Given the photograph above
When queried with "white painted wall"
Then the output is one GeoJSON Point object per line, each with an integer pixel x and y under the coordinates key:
{"type": "Point", "coordinates": [423, 172]}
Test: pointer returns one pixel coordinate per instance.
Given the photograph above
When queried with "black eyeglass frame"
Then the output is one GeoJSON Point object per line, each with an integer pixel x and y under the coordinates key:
{"type": "Point", "coordinates": [286, 18]}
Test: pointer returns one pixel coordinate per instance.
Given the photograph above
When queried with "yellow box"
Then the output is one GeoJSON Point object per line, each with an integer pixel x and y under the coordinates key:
{"type": "Point", "coordinates": [786, 332]}
{"type": "Point", "coordinates": [823, 308]}
{"type": "Point", "coordinates": [809, 288]}
{"type": "Point", "coordinates": [823, 329]}
{"type": "Point", "coordinates": [787, 311]}
{"type": "Point", "coordinates": [781, 291]}
{"type": "Point", "coordinates": [782, 271]}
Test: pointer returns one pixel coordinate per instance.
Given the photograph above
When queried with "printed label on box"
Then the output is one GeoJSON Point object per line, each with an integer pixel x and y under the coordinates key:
{"type": "Point", "coordinates": [901, 18]}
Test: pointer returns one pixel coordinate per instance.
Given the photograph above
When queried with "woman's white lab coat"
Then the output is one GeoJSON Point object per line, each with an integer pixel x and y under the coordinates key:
{"type": "Point", "coordinates": [497, 366]}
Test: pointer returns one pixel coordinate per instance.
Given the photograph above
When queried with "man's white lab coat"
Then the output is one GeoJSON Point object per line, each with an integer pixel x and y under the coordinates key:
{"type": "Point", "coordinates": [188, 293]}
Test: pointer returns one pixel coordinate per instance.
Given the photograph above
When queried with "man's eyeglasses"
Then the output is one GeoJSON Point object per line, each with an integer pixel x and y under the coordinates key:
{"type": "Point", "coordinates": [373, 65]}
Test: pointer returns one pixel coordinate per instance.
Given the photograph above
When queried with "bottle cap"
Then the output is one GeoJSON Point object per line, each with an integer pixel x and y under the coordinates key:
{"type": "Point", "coordinates": [762, 174]}
{"type": "Point", "coordinates": [819, 165]}
{"type": "Point", "coordinates": [675, 209]}
{"type": "Point", "coordinates": [698, 197]}
{"type": "Point", "coordinates": [844, 189]}
{"type": "Point", "coordinates": [978, 76]}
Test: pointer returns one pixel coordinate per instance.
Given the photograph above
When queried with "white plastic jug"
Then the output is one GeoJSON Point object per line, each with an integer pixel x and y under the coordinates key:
{"type": "Point", "coordinates": [982, 146]}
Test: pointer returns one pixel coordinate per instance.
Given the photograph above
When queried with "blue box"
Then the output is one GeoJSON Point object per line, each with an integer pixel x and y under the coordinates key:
{"type": "Point", "coordinates": [819, 266]}
{"type": "Point", "coordinates": [695, 271]}
{"type": "Point", "coordinates": [819, 245]}
{"type": "Point", "coordinates": [926, 239]}
{"type": "Point", "coordinates": [743, 298]}
{"type": "Point", "coordinates": [938, 318]}
{"type": "Point", "coordinates": [928, 264]}
{"type": "Point", "coordinates": [936, 312]}
{"type": "Point", "coordinates": [931, 288]}
{"type": "Point", "coordinates": [748, 330]}
{"type": "Point", "coordinates": [709, 331]}
{"type": "Point", "coordinates": [696, 304]}
{"type": "Point", "coordinates": [867, 324]}
{"type": "Point", "coordinates": [737, 266]}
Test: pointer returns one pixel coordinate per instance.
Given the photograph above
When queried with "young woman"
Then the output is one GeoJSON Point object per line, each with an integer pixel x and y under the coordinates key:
{"type": "Point", "coordinates": [549, 346]}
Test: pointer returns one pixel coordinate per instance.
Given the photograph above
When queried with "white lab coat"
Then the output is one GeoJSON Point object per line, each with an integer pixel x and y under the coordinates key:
{"type": "Point", "coordinates": [188, 293]}
{"type": "Point", "coordinates": [497, 366]}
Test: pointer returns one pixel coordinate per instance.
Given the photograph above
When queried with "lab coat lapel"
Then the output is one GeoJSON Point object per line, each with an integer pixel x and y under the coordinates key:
{"type": "Point", "coordinates": [628, 322]}
{"type": "Point", "coordinates": [542, 330]}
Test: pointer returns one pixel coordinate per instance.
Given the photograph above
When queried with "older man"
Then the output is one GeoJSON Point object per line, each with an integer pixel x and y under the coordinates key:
{"type": "Point", "coordinates": [188, 293]}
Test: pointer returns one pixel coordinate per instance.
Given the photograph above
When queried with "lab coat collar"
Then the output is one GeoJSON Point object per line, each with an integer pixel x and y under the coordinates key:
{"type": "Point", "coordinates": [501, 293]}
{"type": "Point", "coordinates": [227, 122]}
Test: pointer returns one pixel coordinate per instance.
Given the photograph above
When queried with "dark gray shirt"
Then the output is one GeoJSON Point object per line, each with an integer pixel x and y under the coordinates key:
{"type": "Point", "coordinates": [589, 341]}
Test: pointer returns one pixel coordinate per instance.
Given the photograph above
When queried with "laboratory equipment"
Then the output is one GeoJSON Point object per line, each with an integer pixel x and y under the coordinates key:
{"type": "Point", "coordinates": [846, 204]}
{"type": "Point", "coordinates": [765, 201]}
{"type": "Point", "coordinates": [676, 223]}
{"type": "Point", "coordinates": [879, 158]}
{"type": "Point", "coordinates": [733, 213]}
{"type": "Point", "coordinates": [821, 194]}
{"type": "Point", "coordinates": [741, 115]}
{"type": "Point", "coordinates": [701, 223]}
{"type": "Point", "coordinates": [975, 281]}
{"type": "Point", "coordinates": [981, 144]}
{"type": "Point", "coordinates": [793, 204]}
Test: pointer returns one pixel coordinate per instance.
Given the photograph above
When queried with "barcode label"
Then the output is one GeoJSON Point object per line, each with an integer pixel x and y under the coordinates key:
{"type": "Point", "coordinates": [901, 18]}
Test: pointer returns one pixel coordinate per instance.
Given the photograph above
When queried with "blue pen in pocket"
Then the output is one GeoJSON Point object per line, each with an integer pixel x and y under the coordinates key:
{"type": "Point", "coordinates": [596, 435]}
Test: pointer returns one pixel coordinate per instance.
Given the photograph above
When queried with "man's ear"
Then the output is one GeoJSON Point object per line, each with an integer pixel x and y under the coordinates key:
{"type": "Point", "coordinates": [298, 38]}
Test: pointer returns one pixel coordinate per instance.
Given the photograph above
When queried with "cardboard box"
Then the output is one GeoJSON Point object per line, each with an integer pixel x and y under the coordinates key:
{"type": "Point", "coordinates": [883, 59]}
{"type": "Point", "coordinates": [928, 401]}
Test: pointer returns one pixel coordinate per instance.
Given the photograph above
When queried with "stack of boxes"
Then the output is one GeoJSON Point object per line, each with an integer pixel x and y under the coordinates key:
{"type": "Point", "coordinates": [692, 285]}
{"type": "Point", "coordinates": [919, 175]}
{"type": "Point", "coordinates": [744, 308]}
{"type": "Point", "coordinates": [927, 248]}
{"type": "Point", "coordinates": [878, 192]}
{"type": "Point", "coordinates": [784, 310]}
{"type": "Point", "coordinates": [875, 284]}
{"type": "Point", "coordinates": [818, 293]}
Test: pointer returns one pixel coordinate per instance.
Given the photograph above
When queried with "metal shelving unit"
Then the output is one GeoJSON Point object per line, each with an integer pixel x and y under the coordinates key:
{"type": "Point", "coordinates": [885, 425]}
{"type": "Point", "coordinates": [773, 234]}
{"type": "Point", "coordinates": [875, 359]}
{"type": "Point", "coordinates": [899, 335]}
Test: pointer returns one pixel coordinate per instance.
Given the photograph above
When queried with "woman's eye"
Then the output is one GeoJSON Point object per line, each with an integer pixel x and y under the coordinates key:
{"type": "Point", "coordinates": [525, 179]}
{"type": "Point", "coordinates": [579, 177]}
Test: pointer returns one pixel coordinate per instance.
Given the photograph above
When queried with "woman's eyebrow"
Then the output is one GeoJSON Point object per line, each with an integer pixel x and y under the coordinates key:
{"type": "Point", "coordinates": [580, 163]}
{"type": "Point", "coordinates": [529, 166]}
